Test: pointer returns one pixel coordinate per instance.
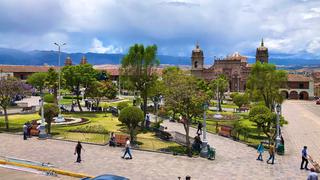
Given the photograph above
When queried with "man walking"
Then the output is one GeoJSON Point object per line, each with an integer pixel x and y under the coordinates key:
{"type": "Point", "coordinates": [78, 152]}
{"type": "Point", "coordinates": [260, 150]}
{"type": "Point", "coordinates": [304, 158]}
{"type": "Point", "coordinates": [127, 149]}
{"type": "Point", "coordinates": [271, 154]}
{"type": "Point", "coordinates": [199, 131]}
{"type": "Point", "coordinates": [25, 131]}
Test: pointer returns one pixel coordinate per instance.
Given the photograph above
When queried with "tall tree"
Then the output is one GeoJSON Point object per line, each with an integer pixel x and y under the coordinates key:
{"type": "Point", "coordinates": [218, 87]}
{"type": "Point", "coordinates": [97, 90]}
{"type": "Point", "coordinates": [266, 80]}
{"type": "Point", "coordinates": [52, 82]}
{"type": "Point", "coordinates": [77, 77]}
{"type": "Point", "coordinates": [138, 66]}
{"type": "Point", "coordinates": [9, 89]}
{"type": "Point", "coordinates": [37, 80]}
{"type": "Point", "coordinates": [186, 97]}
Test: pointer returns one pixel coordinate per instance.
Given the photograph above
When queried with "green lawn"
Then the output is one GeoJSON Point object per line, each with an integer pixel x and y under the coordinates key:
{"type": "Point", "coordinates": [250, 134]}
{"type": "Point", "coordinates": [147, 140]}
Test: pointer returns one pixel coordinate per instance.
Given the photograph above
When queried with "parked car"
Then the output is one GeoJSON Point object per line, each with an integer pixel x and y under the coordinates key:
{"type": "Point", "coordinates": [107, 177]}
{"type": "Point", "coordinates": [318, 102]}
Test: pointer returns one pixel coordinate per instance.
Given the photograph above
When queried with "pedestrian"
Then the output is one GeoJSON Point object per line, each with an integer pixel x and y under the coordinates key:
{"type": "Point", "coordinates": [271, 154]}
{"type": "Point", "coordinates": [29, 126]}
{"type": "Point", "coordinates": [127, 149]}
{"type": "Point", "coordinates": [78, 151]}
{"type": "Point", "coordinates": [199, 131]}
{"type": "Point", "coordinates": [112, 141]}
{"type": "Point", "coordinates": [304, 158]}
{"type": "Point", "coordinates": [147, 120]}
{"type": "Point", "coordinates": [260, 150]}
{"type": "Point", "coordinates": [312, 175]}
{"type": "Point", "coordinates": [25, 131]}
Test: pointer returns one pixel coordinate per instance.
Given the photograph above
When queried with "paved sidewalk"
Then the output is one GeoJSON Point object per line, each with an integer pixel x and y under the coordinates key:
{"type": "Point", "coordinates": [234, 160]}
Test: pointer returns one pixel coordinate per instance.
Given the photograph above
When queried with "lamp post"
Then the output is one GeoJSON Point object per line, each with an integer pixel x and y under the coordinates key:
{"type": "Point", "coordinates": [204, 149]}
{"type": "Point", "coordinates": [60, 117]}
{"type": "Point", "coordinates": [278, 139]}
{"type": "Point", "coordinates": [42, 128]}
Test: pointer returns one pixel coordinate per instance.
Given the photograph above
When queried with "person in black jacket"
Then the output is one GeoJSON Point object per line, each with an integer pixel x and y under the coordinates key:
{"type": "Point", "coordinates": [78, 151]}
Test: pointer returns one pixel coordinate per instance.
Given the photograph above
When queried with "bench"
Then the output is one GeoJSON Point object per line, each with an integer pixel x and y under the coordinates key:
{"type": "Point", "coordinates": [121, 139]}
{"type": "Point", "coordinates": [29, 109]}
{"type": "Point", "coordinates": [242, 109]}
{"type": "Point", "coordinates": [225, 131]}
{"type": "Point", "coordinates": [34, 131]}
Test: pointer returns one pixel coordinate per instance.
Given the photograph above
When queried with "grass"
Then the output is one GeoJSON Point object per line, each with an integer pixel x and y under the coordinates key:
{"type": "Point", "coordinates": [251, 134]}
{"type": "Point", "coordinates": [147, 140]}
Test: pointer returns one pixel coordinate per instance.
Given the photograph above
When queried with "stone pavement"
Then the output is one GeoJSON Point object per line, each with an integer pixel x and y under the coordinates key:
{"type": "Point", "coordinates": [234, 160]}
{"type": "Point", "coordinates": [10, 174]}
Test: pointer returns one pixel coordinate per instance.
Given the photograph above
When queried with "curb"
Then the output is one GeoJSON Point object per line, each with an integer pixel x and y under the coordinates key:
{"type": "Point", "coordinates": [58, 171]}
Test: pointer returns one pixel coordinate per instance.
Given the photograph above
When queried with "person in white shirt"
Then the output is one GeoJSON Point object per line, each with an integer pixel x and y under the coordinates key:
{"type": "Point", "coordinates": [127, 149]}
{"type": "Point", "coordinates": [312, 175]}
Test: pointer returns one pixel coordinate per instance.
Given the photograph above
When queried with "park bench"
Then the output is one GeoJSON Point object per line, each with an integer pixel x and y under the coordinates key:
{"type": "Point", "coordinates": [225, 131]}
{"type": "Point", "coordinates": [29, 109]}
{"type": "Point", "coordinates": [34, 131]}
{"type": "Point", "coordinates": [121, 139]}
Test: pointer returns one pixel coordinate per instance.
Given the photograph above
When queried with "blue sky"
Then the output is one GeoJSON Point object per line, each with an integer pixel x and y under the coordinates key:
{"type": "Point", "coordinates": [110, 26]}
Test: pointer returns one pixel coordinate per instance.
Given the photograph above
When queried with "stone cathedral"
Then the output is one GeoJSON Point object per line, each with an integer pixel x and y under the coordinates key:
{"type": "Point", "coordinates": [235, 67]}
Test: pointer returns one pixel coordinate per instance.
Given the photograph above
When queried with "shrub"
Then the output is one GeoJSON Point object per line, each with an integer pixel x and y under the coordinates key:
{"type": "Point", "coordinates": [99, 129]}
{"type": "Point", "coordinates": [122, 105]}
{"type": "Point", "coordinates": [70, 97]}
{"type": "Point", "coordinates": [48, 98]}
{"type": "Point", "coordinates": [131, 117]}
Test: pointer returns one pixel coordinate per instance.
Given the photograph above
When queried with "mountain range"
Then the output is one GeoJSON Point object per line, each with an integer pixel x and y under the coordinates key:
{"type": "Point", "coordinates": [38, 57]}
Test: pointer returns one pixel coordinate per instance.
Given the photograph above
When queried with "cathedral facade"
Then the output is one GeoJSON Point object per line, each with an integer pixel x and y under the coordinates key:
{"type": "Point", "coordinates": [235, 67]}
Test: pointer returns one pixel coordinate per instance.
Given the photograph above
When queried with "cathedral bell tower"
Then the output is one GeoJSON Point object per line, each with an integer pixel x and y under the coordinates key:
{"type": "Point", "coordinates": [262, 54]}
{"type": "Point", "coordinates": [197, 59]}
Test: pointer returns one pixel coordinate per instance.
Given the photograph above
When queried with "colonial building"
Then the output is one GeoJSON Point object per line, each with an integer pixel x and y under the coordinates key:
{"type": "Point", "coordinates": [235, 67]}
{"type": "Point", "coordinates": [298, 87]}
{"type": "Point", "coordinates": [22, 72]}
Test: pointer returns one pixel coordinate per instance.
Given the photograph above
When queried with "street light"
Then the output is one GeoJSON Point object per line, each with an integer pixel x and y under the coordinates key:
{"type": "Point", "coordinates": [204, 150]}
{"type": "Point", "coordinates": [60, 117]}
{"type": "Point", "coordinates": [278, 139]}
{"type": "Point", "coordinates": [42, 128]}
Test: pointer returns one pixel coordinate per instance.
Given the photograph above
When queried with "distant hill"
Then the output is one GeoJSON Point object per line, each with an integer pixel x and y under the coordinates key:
{"type": "Point", "coordinates": [17, 57]}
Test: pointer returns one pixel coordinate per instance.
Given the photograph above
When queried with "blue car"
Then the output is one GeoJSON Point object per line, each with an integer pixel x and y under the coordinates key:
{"type": "Point", "coordinates": [107, 177]}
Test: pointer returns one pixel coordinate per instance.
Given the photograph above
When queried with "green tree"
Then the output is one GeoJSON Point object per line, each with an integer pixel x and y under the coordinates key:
{"type": "Point", "coordinates": [77, 77]}
{"type": "Point", "coordinates": [51, 110]}
{"type": "Point", "coordinates": [155, 93]}
{"type": "Point", "coordinates": [52, 83]}
{"type": "Point", "coordinates": [37, 80]}
{"type": "Point", "coordinates": [183, 94]}
{"type": "Point", "coordinates": [99, 89]}
{"type": "Point", "coordinates": [240, 99]}
{"type": "Point", "coordinates": [122, 105]}
{"type": "Point", "coordinates": [138, 67]}
{"type": "Point", "coordinates": [131, 117]}
{"type": "Point", "coordinates": [265, 80]}
{"type": "Point", "coordinates": [219, 86]}
{"type": "Point", "coordinates": [9, 89]}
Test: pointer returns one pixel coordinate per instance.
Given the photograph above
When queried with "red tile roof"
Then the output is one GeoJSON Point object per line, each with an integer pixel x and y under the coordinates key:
{"type": "Point", "coordinates": [298, 78]}
{"type": "Point", "coordinates": [26, 69]}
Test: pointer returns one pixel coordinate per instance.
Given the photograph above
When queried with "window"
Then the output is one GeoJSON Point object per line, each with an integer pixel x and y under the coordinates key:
{"type": "Point", "coordinates": [196, 64]}
{"type": "Point", "coordinates": [301, 85]}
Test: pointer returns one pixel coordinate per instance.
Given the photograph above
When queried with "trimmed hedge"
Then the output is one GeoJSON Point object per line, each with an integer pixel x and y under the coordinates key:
{"type": "Point", "coordinates": [98, 129]}
{"type": "Point", "coordinates": [70, 97]}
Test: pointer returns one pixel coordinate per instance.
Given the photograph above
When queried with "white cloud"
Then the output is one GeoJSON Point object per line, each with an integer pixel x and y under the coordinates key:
{"type": "Point", "coordinates": [98, 47]}
{"type": "Point", "coordinates": [314, 46]}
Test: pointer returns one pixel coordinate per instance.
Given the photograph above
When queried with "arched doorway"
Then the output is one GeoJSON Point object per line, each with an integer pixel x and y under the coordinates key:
{"type": "Point", "coordinates": [303, 95]}
{"type": "Point", "coordinates": [293, 95]}
{"type": "Point", "coordinates": [285, 94]}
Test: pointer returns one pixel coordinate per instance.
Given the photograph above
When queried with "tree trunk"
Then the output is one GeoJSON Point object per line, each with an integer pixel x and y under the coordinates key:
{"type": "Point", "coordinates": [132, 136]}
{"type": "Point", "coordinates": [78, 102]}
{"type": "Point", "coordinates": [219, 105]}
{"type": "Point", "coordinates": [49, 127]}
{"type": "Point", "coordinates": [55, 94]}
{"type": "Point", "coordinates": [6, 121]}
{"type": "Point", "coordinates": [145, 104]}
{"type": "Point", "coordinates": [189, 152]}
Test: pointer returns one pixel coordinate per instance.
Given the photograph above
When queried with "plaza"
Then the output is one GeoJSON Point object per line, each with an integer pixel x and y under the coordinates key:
{"type": "Point", "coordinates": [234, 160]}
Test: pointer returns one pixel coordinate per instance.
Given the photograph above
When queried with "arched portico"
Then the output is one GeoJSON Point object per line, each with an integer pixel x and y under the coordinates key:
{"type": "Point", "coordinates": [303, 95]}
{"type": "Point", "coordinates": [293, 95]}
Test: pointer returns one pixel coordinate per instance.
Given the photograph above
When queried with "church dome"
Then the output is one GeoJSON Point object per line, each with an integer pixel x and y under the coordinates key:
{"type": "Point", "coordinates": [68, 61]}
